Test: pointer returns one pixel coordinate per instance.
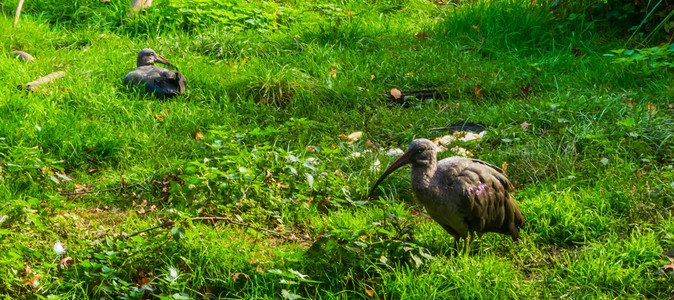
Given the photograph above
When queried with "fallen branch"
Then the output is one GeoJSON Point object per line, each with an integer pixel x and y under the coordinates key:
{"type": "Point", "coordinates": [33, 85]}
{"type": "Point", "coordinates": [165, 224]}
{"type": "Point", "coordinates": [18, 12]}
{"type": "Point", "coordinates": [101, 191]}
{"type": "Point", "coordinates": [212, 219]}
{"type": "Point", "coordinates": [230, 221]}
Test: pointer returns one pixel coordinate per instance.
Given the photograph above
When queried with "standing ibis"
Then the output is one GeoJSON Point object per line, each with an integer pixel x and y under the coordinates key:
{"type": "Point", "coordinates": [465, 196]}
{"type": "Point", "coordinates": [163, 83]}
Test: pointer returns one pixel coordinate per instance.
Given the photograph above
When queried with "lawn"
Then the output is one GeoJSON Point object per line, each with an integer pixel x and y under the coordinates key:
{"type": "Point", "coordinates": [251, 185]}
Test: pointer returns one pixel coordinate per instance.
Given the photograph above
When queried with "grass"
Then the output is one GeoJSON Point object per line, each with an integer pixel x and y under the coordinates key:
{"type": "Point", "coordinates": [593, 169]}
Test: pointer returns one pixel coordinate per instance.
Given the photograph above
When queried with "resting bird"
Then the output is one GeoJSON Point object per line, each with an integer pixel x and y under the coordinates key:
{"type": "Point", "coordinates": [465, 196]}
{"type": "Point", "coordinates": [164, 83]}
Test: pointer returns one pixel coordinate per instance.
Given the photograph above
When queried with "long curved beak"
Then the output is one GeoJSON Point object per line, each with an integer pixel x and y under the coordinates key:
{"type": "Point", "coordinates": [403, 160]}
{"type": "Point", "coordinates": [161, 59]}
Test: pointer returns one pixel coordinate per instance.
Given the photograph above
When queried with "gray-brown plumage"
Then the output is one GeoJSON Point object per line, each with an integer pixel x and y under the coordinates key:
{"type": "Point", "coordinates": [22, 56]}
{"type": "Point", "coordinates": [163, 83]}
{"type": "Point", "coordinates": [465, 196]}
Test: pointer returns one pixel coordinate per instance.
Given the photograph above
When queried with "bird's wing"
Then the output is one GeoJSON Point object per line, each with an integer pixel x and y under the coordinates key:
{"type": "Point", "coordinates": [500, 175]}
{"type": "Point", "coordinates": [146, 74]}
{"type": "Point", "coordinates": [485, 193]}
{"type": "Point", "coordinates": [172, 82]}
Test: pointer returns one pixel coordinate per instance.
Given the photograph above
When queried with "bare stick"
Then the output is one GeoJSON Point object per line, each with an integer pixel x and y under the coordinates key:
{"type": "Point", "coordinates": [165, 224]}
{"type": "Point", "coordinates": [18, 12]}
{"type": "Point", "coordinates": [212, 219]}
{"type": "Point", "coordinates": [33, 85]}
{"type": "Point", "coordinates": [216, 228]}
{"type": "Point", "coordinates": [100, 191]}
{"type": "Point", "coordinates": [230, 221]}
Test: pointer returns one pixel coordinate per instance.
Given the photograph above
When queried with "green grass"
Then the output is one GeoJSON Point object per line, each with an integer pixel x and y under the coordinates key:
{"type": "Point", "coordinates": [266, 80]}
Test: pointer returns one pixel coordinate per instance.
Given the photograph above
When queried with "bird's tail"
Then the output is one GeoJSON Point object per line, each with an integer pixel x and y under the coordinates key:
{"type": "Point", "coordinates": [517, 221]}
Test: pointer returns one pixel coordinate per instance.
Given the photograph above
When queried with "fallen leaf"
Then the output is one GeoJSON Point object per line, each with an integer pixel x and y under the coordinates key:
{"type": "Point", "coordinates": [332, 72]}
{"type": "Point", "coordinates": [370, 144]}
{"type": "Point", "coordinates": [354, 136]}
{"type": "Point", "coordinates": [526, 91]}
{"type": "Point", "coordinates": [370, 293]}
{"type": "Point", "coordinates": [31, 280]}
{"type": "Point", "coordinates": [349, 12]}
{"type": "Point", "coordinates": [525, 125]}
{"type": "Point", "coordinates": [478, 91]}
{"type": "Point", "coordinates": [421, 35]}
{"type": "Point", "coordinates": [235, 276]}
{"type": "Point", "coordinates": [651, 108]}
{"type": "Point", "coordinates": [159, 117]}
{"type": "Point", "coordinates": [91, 171]}
{"type": "Point", "coordinates": [198, 135]}
{"type": "Point", "coordinates": [576, 52]}
{"type": "Point", "coordinates": [396, 93]}
{"type": "Point", "coordinates": [475, 28]}
{"type": "Point", "coordinates": [64, 262]}
{"type": "Point", "coordinates": [371, 77]}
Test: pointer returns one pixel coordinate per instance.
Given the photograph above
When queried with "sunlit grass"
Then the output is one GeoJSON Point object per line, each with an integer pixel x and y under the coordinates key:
{"type": "Point", "coordinates": [588, 144]}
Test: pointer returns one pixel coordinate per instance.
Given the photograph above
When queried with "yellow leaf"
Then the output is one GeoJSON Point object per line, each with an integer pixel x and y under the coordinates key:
{"type": "Point", "coordinates": [396, 93]}
{"type": "Point", "coordinates": [198, 135]}
{"type": "Point", "coordinates": [478, 91]}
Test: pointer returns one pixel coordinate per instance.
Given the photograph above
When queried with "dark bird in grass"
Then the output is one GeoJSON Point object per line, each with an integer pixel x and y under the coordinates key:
{"type": "Point", "coordinates": [467, 197]}
{"type": "Point", "coordinates": [22, 56]}
{"type": "Point", "coordinates": [163, 83]}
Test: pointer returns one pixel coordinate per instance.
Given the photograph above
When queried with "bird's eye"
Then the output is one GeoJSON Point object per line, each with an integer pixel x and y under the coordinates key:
{"type": "Point", "coordinates": [420, 150]}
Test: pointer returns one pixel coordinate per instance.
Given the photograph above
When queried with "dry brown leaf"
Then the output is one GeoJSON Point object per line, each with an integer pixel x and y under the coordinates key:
{"type": "Point", "coordinates": [31, 280]}
{"type": "Point", "coordinates": [421, 35]}
{"type": "Point", "coordinates": [235, 276]}
{"type": "Point", "coordinates": [478, 90]}
{"type": "Point", "coordinates": [64, 261]}
{"type": "Point", "coordinates": [524, 125]}
{"type": "Point", "coordinates": [370, 293]}
{"type": "Point", "coordinates": [576, 52]}
{"type": "Point", "coordinates": [198, 135]}
{"type": "Point", "coordinates": [370, 144]}
{"type": "Point", "coordinates": [349, 12]}
{"type": "Point", "coordinates": [526, 90]}
{"type": "Point", "coordinates": [651, 108]}
{"type": "Point", "coordinates": [332, 72]}
{"type": "Point", "coordinates": [396, 93]}
{"type": "Point", "coordinates": [159, 117]}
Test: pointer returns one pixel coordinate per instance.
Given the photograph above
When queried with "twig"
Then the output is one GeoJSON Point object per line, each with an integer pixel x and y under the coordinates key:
{"type": "Point", "coordinates": [216, 228]}
{"type": "Point", "coordinates": [165, 224]}
{"type": "Point", "coordinates": [212, 219]}
{"type": "Point", "coordinates": [230, 221]}
{"type": "Point", "coordinates": [33, 85]}
{"type": "Point", "coordinates": [245, 192]}
{"type": "Point", "coordinates": [18, 12]}
{"type": "Point", "coordinates": [100, 191]}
